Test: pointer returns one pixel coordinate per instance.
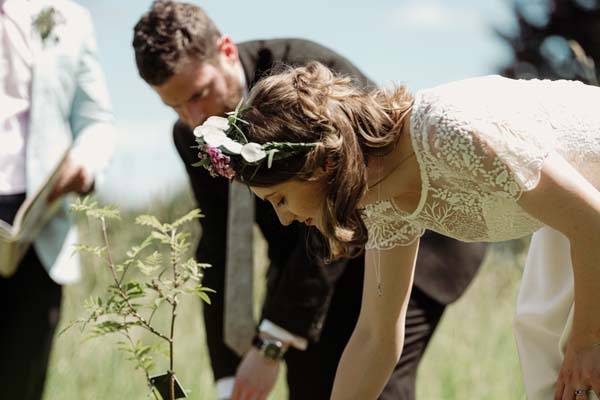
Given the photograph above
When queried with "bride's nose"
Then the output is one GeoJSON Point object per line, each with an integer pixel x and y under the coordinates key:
{"type": "Point", "coordinates": [285, 217]}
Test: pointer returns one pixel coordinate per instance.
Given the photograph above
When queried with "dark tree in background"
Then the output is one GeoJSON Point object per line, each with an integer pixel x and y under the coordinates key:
{"type": "Point", "coordinates": [555, 39]}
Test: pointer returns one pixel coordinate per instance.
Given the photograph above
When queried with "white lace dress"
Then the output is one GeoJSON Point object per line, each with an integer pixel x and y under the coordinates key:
{"type": "Point", "coordinates": [480, 144]}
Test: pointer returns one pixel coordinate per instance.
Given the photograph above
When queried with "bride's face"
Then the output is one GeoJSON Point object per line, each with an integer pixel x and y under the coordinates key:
{"type": "Point", "coordinates": [296, 200]}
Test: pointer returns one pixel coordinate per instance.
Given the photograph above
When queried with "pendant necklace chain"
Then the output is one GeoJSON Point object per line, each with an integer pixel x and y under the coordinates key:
{"type": "Point", "coordinates": [387, 175]}
{"type": "Point", "coordinates": [377, 183]}
{"type": "Point", "coordinates": [378, 262]}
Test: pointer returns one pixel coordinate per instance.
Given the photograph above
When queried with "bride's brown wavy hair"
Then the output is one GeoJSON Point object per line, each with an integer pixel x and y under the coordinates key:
{"type": "Point", "coordinates": [349, 123]}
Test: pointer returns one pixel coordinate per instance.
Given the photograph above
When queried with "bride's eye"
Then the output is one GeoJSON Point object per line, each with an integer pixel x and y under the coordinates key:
{"type": "Point", "coordinates": [281, 202]}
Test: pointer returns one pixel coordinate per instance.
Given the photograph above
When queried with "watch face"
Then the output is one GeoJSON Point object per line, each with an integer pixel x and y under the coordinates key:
{"type": "Point", "coordinates": [271, 350]}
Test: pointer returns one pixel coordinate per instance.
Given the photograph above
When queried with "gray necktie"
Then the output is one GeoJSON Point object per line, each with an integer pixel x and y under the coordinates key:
{"type": "Point", "coordinates": [239, 325]}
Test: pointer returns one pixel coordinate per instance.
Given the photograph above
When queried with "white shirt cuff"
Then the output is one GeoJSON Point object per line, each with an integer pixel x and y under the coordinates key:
{"type": "Point", "coordinates": [225, 388]}
{"type": "Point", "coordinates": [278, 332]}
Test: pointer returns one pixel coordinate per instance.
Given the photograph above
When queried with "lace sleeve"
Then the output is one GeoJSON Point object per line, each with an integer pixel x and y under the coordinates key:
{"type": "Point", "coordinates": [504, 157]}
{"type": "Point", "coordinates": [387, 227]}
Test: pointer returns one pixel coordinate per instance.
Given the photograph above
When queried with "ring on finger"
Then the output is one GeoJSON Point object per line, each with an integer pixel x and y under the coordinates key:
{"type": "Point", "coordinates": [581, 393]}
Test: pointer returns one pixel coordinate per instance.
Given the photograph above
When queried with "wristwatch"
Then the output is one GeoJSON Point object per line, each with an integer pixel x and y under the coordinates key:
{"type": "Point", "coordinates": [270, 348]}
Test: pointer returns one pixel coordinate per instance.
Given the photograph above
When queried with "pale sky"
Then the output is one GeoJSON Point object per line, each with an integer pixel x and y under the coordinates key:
{"type": "Point", "coordinates": [418, 42]}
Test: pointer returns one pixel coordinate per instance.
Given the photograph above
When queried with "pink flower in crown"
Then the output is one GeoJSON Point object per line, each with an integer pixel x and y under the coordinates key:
{"type": "Point", "coordinates": [220, 163]}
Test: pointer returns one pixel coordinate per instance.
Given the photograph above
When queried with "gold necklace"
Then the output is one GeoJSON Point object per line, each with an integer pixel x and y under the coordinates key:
{"type": "Point", "coordinates": [387, 175]}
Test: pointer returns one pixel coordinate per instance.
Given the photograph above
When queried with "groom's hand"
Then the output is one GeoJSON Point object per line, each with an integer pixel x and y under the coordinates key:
{"type": "Point", "coordinates": [256, 376]}
{"type": "Point", "coordinates": [72, 177]}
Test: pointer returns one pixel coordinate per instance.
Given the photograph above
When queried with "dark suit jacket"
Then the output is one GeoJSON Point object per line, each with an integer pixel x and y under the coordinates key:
{"type": "Point", "coordinates": [300, 287]}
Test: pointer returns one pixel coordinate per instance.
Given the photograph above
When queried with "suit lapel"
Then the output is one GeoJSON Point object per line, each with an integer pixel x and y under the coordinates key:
{"type": "Point", "coordinates": [257, 59]}
{"type": "Point", "coordinates": [245, 51]}
{"type": "Point", "coordinates": [48, 136]}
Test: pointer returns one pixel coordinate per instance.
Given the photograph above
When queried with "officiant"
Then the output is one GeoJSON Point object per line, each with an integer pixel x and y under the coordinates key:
{"type": "Point", "coordinates": [310, 308]}
{"type": "Point", "coordinates": [53, 98]}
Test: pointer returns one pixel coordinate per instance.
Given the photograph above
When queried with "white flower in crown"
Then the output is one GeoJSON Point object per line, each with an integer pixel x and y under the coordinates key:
{"type": "Point", "coordinates": [253, 152]}
{"type": "Point", "coordinates": [214, 133]}
{"type": "Point", "coordinates": [217, 122]}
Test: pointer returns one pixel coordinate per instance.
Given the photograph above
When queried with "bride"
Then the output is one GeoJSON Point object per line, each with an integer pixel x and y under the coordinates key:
{"type": "Point", "coordinates": [484, 159]}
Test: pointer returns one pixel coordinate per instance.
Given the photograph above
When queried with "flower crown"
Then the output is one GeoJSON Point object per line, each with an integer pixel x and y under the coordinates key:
{"type": "Point", "coordinates": [219, 139]}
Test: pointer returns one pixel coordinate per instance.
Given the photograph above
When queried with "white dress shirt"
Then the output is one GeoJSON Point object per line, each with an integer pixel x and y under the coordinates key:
{"type": "Point", "coordinates": [16, 61]}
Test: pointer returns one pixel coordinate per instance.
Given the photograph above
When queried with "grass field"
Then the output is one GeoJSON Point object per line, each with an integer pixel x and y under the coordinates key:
{"type": "Point", "coordinates": [472, 355]}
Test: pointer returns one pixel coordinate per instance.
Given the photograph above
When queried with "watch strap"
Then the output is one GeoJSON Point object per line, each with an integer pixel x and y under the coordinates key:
{"type": "Point", "coordinates": [270, 348]}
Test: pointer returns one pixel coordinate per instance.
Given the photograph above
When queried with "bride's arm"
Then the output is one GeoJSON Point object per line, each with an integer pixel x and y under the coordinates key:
{"type": "Point", "coordinates": [566, 201]}
{"type": "Point", "coordinates": [376, 344]}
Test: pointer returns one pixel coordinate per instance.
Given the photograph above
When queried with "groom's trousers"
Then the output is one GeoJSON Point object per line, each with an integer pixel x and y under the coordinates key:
{"type": "Point", "coordinates": [29, 314]}
{"type": "Point", "coordinates": [310, 373]}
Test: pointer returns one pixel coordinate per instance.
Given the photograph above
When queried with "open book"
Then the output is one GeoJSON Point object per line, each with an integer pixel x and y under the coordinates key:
{"type": "Point", "coordinates": [32, 216]}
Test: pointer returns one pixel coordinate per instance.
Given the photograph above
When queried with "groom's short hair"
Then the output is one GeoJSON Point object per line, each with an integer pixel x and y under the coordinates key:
{"type": "Point", "coordinates": [170, 34]}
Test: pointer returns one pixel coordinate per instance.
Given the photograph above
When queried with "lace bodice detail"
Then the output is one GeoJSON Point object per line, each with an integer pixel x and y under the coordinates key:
{"type": "Point", "coordinates": [388, 227]}
{"type": "Point", "coordinates": [480, 144]}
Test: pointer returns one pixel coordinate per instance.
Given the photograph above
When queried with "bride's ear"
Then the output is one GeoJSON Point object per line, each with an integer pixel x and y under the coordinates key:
{"type": "Point", "coordinates": [324, 170]}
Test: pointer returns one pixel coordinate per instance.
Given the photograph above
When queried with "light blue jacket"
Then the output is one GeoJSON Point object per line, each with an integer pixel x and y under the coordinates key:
{"type": "Point", "coordinates": [70, 104]}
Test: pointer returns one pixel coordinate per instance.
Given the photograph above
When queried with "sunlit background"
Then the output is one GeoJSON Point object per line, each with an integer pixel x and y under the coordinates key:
{"type": "Point", "coordinates": [421, 43]}
{"type": "Point", "coordinates": [418, 42]}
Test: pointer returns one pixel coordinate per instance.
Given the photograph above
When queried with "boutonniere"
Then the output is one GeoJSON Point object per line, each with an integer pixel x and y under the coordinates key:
{"type": "Point", "coordinates": [45, 22]}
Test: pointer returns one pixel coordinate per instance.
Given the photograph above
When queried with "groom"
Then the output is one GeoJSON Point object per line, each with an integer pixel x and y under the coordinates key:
{"type": "Point", "coordinates": [310, 307]}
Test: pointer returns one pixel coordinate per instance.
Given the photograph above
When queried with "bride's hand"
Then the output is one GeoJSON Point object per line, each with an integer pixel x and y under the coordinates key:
{"type": "Point", "coordinates": [580, 372]}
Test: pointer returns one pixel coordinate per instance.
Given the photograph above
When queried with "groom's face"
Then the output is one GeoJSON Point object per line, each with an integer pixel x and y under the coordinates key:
{"type": "Point", "coordinates": [202, 89]}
